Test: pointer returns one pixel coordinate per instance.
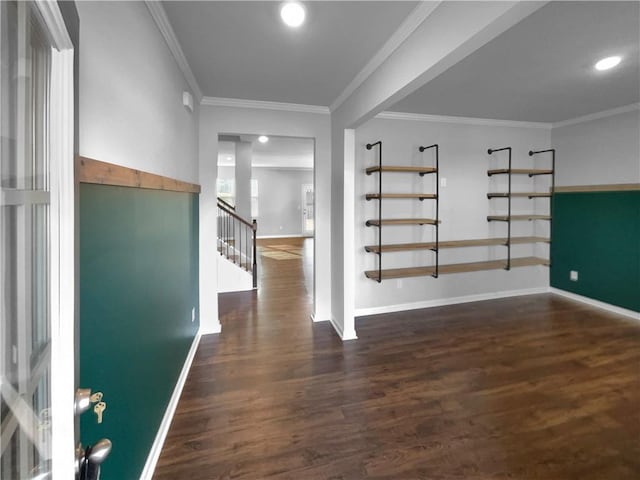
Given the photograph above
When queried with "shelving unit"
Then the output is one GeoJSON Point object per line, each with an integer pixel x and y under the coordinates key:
{"type": "Point", "coordinates": [437, 269]}
{"type": "Point", "coordinates": [380, 196]}
{"type": "Point", "coordinates": [509, 195]}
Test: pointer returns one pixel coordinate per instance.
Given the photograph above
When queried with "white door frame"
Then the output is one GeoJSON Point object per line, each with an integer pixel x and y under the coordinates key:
{"type": "Point", "coordinates": [62, 242]}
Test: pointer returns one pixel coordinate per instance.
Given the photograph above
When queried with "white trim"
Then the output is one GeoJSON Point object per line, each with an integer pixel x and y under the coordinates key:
{"type": "Point", "coordinates": [360, 312]}
{"type": "Point", "coordinates": [162, 21]}
{"type": "Point", "coordinates": [261, 105]}
{"type": "Point", "coordinates": [597, 115]}
{"type": "Point", "coordinates": [315, 319]}
{"type": "Point", "coordinates": [156, 448]}
{"type": "Point", "coordinates": [63, 262]}
{"type": "Point", "coordinates": [490, 122]}
{"type": "Point", "coordinates": [297, 235]}
{"type": "Point", "coordinates": [348, 236]}
{"type": "Point", "coordinates": [215, 328]}
{"type": "Point", "coordinates": [418, 15]}
{"type": "Point", "coordinates": [596, 303]}
{"type": "Point", "coordinates": [56, 28]}
{"type": "Point", "coordinates": [340, 332]}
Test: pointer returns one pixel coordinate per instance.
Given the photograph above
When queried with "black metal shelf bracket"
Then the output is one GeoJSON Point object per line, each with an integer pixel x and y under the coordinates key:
{"type": "Point", "coordinates": [491, 151]}
{"type": "Point", "coordinates": [436, 249]}
{"type": "Point", "coordinates": [369, 146]}
{"type": "Point", "coordinates": [553, 186]}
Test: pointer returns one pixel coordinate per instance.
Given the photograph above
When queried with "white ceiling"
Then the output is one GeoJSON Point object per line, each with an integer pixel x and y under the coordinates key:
{"type": "Point", "coordinates": [278, 152]}
{"type": "Point", "coordinates": [243, 50]}
{"type": "Point", "coordinates": [541, 69]}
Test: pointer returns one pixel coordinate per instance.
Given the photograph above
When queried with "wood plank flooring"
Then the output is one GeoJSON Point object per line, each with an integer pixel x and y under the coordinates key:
{"type": "Point", "coordinates": [534, 387]}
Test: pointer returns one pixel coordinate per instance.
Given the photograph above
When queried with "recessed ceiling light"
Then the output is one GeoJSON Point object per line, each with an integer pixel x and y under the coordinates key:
{"type": "Point", "coordinates": [263, 139]}
{"type": "Point", "coordinates": [607, 63]}
{"type": "Point", "coordinates": [292, 14]}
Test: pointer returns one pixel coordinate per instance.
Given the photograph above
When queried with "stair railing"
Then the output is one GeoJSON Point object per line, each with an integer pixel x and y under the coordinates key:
{"type": "Point", "coordinates": [237, 239]}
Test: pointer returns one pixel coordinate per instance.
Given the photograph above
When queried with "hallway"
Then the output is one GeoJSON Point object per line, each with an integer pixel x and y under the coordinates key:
{"type": "Point", "coordinates": [525, 387]}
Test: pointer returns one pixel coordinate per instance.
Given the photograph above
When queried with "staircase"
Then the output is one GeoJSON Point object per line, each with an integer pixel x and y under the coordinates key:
{"type": "Point", "coordinates": [237, 239]}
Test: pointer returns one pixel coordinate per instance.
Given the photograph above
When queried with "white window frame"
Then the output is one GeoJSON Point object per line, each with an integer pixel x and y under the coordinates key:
{"type": "Point", "coordinates": [62, 241]}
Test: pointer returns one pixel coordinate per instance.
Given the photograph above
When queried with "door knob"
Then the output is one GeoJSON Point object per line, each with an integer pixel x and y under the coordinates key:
{"type": "Point", "coordinates": [94, 456]}
{"type": "Point", "coordinates": [82, 401]}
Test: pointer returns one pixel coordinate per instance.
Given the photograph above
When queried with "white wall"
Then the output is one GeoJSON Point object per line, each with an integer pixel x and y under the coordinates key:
{"type": "Point", "coordinates": [280, 200]}
{"type": "Point", "coordinates": [463, 208]}
{"type": "Point", "coordinates": [217, 120]}
{"type": "Point", "coordinates": [602, 151]}
{"type": "Point", "coordinates": [131, 110]}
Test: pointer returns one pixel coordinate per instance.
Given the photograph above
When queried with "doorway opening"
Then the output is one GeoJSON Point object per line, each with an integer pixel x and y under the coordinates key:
{"type": "Point", "coordinates": [268, 180]}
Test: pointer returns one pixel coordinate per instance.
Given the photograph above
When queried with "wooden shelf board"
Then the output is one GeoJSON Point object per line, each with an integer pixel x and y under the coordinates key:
{"type": "Point", "coordinates": [401, 169]}
{"type": "Point", "coordinates": [504, 218]}
{"type": "Point", "coordinates": [477, 242]}
{"type": "Point", "coordinates": [418, 196]}
{"type": "Point", "coordinates": [401, 221]}
{"type": "Point", "coordinates": [456, 268]}
{"type": "Point", "coordinates": [519, 194]}
{"type": "Point", "coordinates": [519, 171]}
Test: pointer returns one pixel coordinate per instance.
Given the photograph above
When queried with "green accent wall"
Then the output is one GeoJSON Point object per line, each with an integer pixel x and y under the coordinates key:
{"type": "Point", "coordinates": [138, 284]}
{"type": "Point", "coordinates": [598, 235]}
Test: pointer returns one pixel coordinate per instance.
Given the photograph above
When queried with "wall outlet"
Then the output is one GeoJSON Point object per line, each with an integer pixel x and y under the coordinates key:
{"type": "Point", "coordinates": [573, 276]}
{"type": "Point", "coordinates": [399, 283]}
{"type": "Point", "coordinates": [443, 182]}
{"type": "Point", "coordinates": [193, 314]}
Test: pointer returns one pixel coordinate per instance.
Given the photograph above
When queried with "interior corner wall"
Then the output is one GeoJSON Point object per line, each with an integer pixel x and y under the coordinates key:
{"type": "Point", "coordinates": [464, 207]}
{"type": "Point", "coordinates": [131, 114]}
{"type": "Point", "coordinates": [131, 111]}
{"type": "Point", "coordinates": [215, 120]}
{"type": "Point", "coordinates": [599, 152]}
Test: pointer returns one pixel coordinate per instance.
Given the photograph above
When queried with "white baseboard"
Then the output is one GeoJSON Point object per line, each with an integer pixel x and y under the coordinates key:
{"type": "Point", "coordinates": [360, 312]}
{"type": "Point", "coordinates": [596, 303]}
{"type": "Point", "coordinates": [293, 235]}
{"type": "Point", "coordinates": [343, 336]}
{"type": "Point", "coordinates": [156, 448]}
{"type": "Point", "coordinates": [215, 328]}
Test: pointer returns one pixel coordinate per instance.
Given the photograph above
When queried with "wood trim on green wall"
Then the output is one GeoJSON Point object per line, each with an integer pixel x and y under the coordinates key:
{"type": "Point", "coordinates": [103, 173]}
{"type": "Point", "coordinates": [615, 187]}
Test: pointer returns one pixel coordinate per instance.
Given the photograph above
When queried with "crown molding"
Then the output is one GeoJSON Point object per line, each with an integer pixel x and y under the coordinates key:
{"type": "Point", "coordinates": [406, 28]}
{"type": "Point", "coordinates": [595, 116]}
{"type": "Point", "coordinates": [262, 105]}
{"type": "Point", "coordinates": [162, 21]}
{"type": "Point", "coordinates": [419, 117]}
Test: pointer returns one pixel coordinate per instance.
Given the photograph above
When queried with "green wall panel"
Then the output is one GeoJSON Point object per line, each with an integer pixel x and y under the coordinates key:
{"type": "Point", "coordinates": [138, 284]}
{"type": "Point", "coordinates": [598, 234]}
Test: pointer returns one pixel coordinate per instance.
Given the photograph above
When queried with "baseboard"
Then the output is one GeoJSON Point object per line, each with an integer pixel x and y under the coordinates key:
{"type": "Point", "coordinates": [156, 448]}
{"type": "Point", "coordinates": [341, 333]}
{"type": "Point", "coordinates": [260, 237]}
{"type": "Point", "coordinates": [216, 328]}
{"type": "Point", "coordinates": [360, 312]}
{"type": "Point", "coordinates": [596, 303]}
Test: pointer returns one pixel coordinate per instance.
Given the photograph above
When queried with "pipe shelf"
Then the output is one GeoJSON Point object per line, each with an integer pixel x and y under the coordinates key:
{"type": "Point", "coordinates": [455, 268]}
{"type": "Point", "coordinates": [416, 196]}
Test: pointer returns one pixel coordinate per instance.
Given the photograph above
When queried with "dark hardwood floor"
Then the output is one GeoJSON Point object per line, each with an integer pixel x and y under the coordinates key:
{"type": "Point", "coordinates": [534, 387]}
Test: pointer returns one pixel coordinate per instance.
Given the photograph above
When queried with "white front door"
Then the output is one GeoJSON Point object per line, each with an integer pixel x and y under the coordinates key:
{"type": "Point", "coordinates": [36, 243]}
{"type": "Point", "coordinates": [308, 205]}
